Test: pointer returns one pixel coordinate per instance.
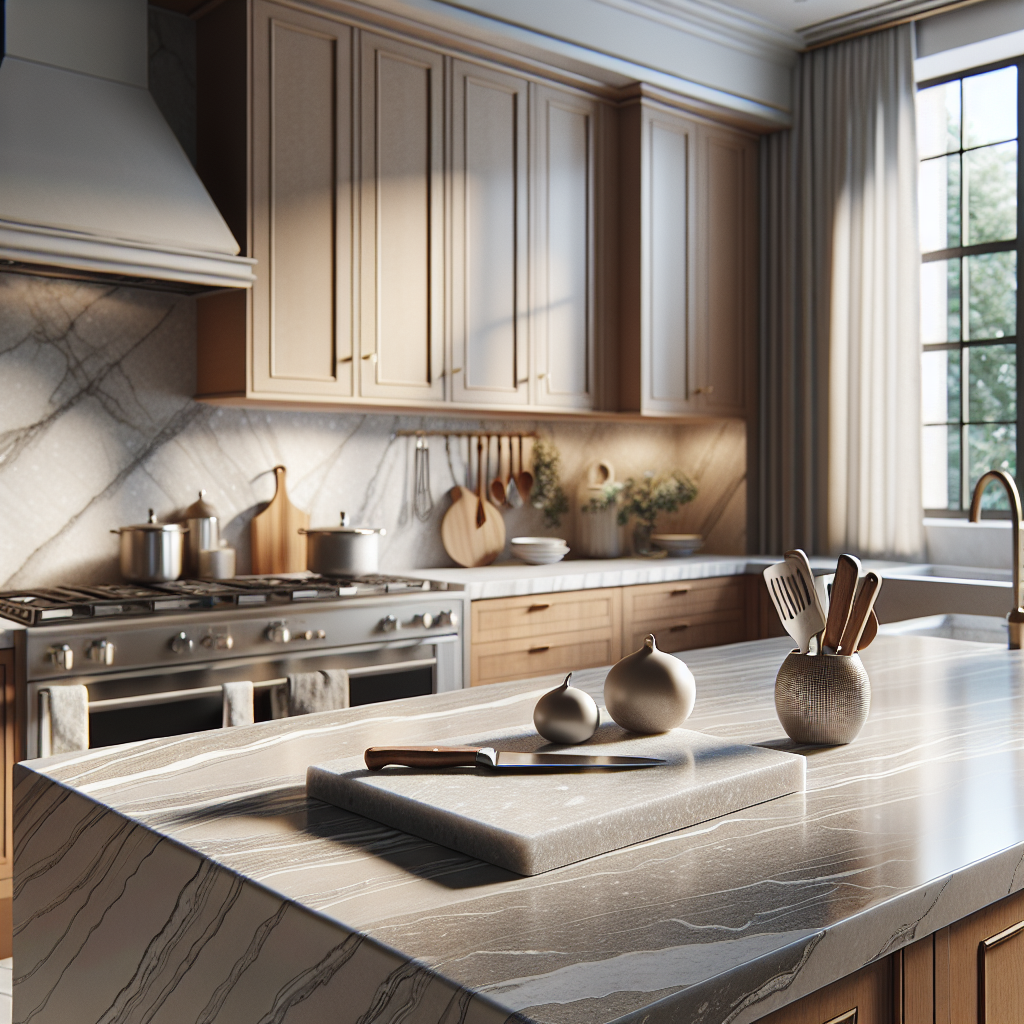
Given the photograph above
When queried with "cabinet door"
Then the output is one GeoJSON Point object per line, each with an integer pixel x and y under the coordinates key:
{"type": "Point", "coordinates": [863, 998]}
{"type": "Point", "coordinates": [667, 270]}
{"type": "Point", "coordinates": [986, 965]}
{"type": "Point", "coordinates": [302, 203]}
{"type": "Point", "coordinates": [489, 205]}
{"type": "Point", "coordinates": [402, 208]}
{"type": "Point", "coordinates": [725, 335]}
{"type": "Point", "coordinates": [564, 131]}
{"type": "Point", "coordinates": [8, 755]}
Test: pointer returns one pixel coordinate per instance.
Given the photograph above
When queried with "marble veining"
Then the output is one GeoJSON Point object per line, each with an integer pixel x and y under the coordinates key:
{"type": "Point", "coordinates": [913, 826]}
{"type": "Point", "coordinates": [98, 424]}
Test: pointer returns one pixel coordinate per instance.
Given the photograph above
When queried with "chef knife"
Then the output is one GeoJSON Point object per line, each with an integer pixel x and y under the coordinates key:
{"type": "Point", "coordinates": [502, 760]}
{"type": "Point", "coordinates": [844, 588]}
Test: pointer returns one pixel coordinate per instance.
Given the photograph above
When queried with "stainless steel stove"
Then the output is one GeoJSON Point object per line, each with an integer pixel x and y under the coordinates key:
{"type": "Point", "coordinates": [155, 658]}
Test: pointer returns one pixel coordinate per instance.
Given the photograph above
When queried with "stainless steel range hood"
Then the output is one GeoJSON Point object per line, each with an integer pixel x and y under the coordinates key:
{"type": "Point", "coordinates": [93, 181]}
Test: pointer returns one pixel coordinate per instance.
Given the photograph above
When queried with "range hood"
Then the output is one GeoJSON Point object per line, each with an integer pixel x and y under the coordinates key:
{"type": "Point", "coordinates": [93, 182]}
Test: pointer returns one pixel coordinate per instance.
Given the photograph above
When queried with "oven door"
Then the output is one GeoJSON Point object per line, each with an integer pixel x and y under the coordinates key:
{"type": "Point", "coordinates": [126, 707]}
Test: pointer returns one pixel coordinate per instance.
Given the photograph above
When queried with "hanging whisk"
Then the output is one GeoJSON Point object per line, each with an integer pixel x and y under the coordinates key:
{"type": "Point", "coordinates": [422, 501]}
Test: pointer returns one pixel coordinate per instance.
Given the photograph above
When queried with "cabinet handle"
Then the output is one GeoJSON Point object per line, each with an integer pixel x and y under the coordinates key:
{"type": "Point", "coordinates": [1009, 933]}
{"type": "Point", "coordinates": [538, 607]}
{"type": "Point", "coordinates": [539, 650]}
{"type": "Point", "coordinates": [704, 389]}
{"type": "Point", "coordinates": [457, 369]}
{"type": "Point", "coordinates": [541, 376]}
{"type": "Point", "coordinates": [345, 359]}
{"type": "Point", "coordinates": [680, 627]}
{"type": "Point", "coordinates": [676, 593]}
{"type": "Point", "coordinates": [525, 380]}
{"type": "Point", "coordinates": [372, 356]}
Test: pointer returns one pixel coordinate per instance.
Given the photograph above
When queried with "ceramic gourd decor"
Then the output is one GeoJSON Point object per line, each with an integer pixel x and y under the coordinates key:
{"type": "Point", "coordinates": [566, 714]}
{"type": "Point", "coordinates": [649, 691]}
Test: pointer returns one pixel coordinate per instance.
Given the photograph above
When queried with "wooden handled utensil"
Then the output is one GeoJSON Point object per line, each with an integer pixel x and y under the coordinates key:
{"type": "Point", "coordinates": [798, 558]}
{"type": "Point", "coordinates": [870, 631]}
{"type": "Point", "coordinates": [524, 479]}
{"type": "Point", "coordinates": [858, 619]}
{"type": "Point", "coordinates": [498, 484]}
{"type": "Point", "coordinates": [795, 601]}
{"type": "Point", "coordinates": [481, 516]}
{"type": "Point", "coordinates": [843, 590]}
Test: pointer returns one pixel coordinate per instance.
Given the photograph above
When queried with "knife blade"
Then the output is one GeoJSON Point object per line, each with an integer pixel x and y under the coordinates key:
{"type": "Point", "coordinates": [501, 760]}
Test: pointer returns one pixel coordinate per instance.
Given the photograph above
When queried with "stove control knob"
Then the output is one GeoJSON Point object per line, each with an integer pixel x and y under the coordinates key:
{"type": "Point", "coordinates": [181, 644]}
{"type": "Point", "coordinates": [63, 657]}
{"type": "Point", "coordinates": [101, 651]}
{"type": "Point", "coordinates": [388, 624]}
{"type": "Point", "coordinates": [426, 620]}
{"type": "Point", "coordinates": [278, 633]}
{"type": "Point", "coordinates": [220, 642]}
{"type": "Point", "coordinates": [448, 618]}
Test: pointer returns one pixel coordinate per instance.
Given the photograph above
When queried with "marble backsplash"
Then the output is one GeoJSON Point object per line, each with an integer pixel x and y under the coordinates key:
{"type": "Point", "coordinates": [98, 424]}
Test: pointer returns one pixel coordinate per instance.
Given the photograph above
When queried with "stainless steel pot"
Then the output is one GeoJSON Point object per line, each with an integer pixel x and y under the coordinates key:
{"type": "Point", "coordinates": [342, 550]}
{"type": "Point", "coordinates": [152, 552]}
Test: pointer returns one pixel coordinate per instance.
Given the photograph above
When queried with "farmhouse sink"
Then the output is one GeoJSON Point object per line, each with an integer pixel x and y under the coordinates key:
{"type": "Point", "coordinates": [917, 591]}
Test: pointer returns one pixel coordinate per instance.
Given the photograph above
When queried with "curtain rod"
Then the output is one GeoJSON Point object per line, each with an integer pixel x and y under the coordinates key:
{"type": "Point", "coordinates": [953, 5]}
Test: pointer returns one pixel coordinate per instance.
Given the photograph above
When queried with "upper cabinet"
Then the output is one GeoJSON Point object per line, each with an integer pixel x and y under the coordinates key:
{"type": "Point", "coordinates": [490, 298]}
{"type": "Point", "coordinates": [437, 231]}
{"type": "Point", "coordinates": [689, 265]}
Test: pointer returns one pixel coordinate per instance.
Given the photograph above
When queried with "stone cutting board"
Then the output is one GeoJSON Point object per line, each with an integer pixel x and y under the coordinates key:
{"type": "Point", "coordinates": [531, 823]}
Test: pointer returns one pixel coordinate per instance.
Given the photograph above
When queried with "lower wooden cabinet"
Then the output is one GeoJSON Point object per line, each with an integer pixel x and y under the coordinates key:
{"type": "Point", "coordinates": [520, 637]}
{"type": "Point", "coordinates": [862, 998]}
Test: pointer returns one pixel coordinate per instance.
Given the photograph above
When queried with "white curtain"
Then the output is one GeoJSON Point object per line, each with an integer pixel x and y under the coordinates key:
{"type": "Point", "coordinates": [840, 426]}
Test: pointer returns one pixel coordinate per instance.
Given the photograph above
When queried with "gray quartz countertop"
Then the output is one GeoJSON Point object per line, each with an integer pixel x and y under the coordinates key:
{"type": "Point", "coordinates": [211, 888]}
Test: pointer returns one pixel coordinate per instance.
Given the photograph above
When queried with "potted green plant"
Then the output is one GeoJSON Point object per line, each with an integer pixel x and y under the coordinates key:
{"type": "Point", "coordinates": [645, 497]}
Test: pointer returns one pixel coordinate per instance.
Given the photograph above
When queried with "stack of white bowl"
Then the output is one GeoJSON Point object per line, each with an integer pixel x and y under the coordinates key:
{"type": "Point", "coordinates": [539, 550]}
{"type": "Point", "coordinates": [678, 545]}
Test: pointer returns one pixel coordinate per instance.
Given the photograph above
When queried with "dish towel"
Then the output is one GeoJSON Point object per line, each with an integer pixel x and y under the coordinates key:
{"type": "Point", "coordinates": [69, 719]}
{"type": "Point", "coordinates": [238, 708]}
{"type": "Point", "coordinates": [310, 692]}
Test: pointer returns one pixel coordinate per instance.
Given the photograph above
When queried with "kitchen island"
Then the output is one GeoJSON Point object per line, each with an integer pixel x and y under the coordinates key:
{"type": "Point", "coordinates": [190, 879]}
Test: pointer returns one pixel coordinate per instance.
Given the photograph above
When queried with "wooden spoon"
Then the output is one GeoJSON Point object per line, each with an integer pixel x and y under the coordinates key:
{"type": "Point", "coordinates": [497, 484]}
{"type": "Point", "coordinates": [524, 479]}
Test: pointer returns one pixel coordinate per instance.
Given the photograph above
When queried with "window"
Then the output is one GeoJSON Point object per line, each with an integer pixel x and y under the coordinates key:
{"type": "Point", "coordinates": [970, 244]}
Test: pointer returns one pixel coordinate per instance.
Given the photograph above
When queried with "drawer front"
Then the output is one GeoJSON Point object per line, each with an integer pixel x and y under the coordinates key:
{"type": "Point", "coordinates": [689, 633]}
{"type": "Point", "coordinates": [540, 656]}
{"type": "Point", "coordinates": [662, 601]}
{"type": "Point", "coordinates": [545, 615]}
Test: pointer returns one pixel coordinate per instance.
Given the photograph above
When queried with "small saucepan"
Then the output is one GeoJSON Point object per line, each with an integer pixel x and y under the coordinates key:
{"type": "Point", "coordinates": [152, 552]}
{"type": "Point", "coordinates": [343, 550]}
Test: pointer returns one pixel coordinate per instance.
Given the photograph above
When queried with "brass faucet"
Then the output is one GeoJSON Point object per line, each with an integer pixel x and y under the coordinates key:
{"type": "Point", "coordinates": [1015, 619]}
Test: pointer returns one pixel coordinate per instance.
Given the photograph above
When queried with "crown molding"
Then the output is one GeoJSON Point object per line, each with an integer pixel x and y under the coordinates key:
{"type": "Point", "coordinates": [874, 17]}
{"type": "Point", "coordinates": [718, 23]}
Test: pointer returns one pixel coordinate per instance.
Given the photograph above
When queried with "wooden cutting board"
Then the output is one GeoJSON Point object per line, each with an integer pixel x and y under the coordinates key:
{"type": "Point", "coordinates": [467, 542]}
{"type": "Point", "coordinates": [533, 822]}
{"type": "Point", "coordinates": [277, 545]}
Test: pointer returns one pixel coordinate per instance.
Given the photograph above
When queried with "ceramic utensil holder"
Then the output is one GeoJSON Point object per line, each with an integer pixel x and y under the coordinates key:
{"type": "Point", "coordinates": [822, 699]}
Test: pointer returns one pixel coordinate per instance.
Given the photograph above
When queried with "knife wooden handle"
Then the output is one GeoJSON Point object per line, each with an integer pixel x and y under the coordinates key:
{"type": "Point", "coordinates": [861, 612]}
{"type": "Point", "coordinates": [843, 589]}
{"type": "Point", "coordinates": [420, 757]}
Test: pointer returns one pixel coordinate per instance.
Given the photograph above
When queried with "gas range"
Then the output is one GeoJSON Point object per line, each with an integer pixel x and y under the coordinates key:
{"type": "Point", "coordinates": [52, 604]}
{"type": "Point", "coordinates": [154, 658]}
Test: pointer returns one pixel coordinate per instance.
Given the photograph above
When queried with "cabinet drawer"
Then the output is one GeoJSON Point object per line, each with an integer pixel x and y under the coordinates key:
{"type": "Point", "coordinates": [689, 632]}
{"type": "Point", "coordinates": [539, 656]}
{"type": "Point", "coordinates": [545, 615]}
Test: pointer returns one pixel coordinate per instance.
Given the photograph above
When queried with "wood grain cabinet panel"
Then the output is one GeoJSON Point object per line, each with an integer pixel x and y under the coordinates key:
{"type": "Point", "coordinates": [566, 142]}
{"type": "Point", "coordinates": [402, 221]}
{"type": "Point", "coordinates": [686, 614]}
{"type": "Point", "coordinates": [520, 637]}
{"type": "Point", "coordinates": [302, 212]}
{"type": "Point", "coordinates": [725, 330]}
{"type": "Point", "coordinates": [863, 998]}
{"type": "Point", "coordinates": [986, 965]}
{"type": "Point", "coordinates": [490, 361]}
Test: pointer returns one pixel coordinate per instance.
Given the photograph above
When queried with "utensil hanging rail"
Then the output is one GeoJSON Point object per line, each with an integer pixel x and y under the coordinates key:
{"type": "Point", "coordinates": [466, 433]}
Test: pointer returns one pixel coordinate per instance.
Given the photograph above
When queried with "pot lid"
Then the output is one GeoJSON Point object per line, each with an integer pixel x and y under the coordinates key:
{"type": "Point", "coordinates": [200, 509]}
{"type": "Point", "coordinates": [152, 524]}
{"type": "Point", "coordinates": [345, 528]}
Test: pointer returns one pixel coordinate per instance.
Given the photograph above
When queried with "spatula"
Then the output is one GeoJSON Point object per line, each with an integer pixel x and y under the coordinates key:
{"type": "Point", "coordinates": [798, 557]}
{"type": "Point", "coordinates": [795, 601]}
